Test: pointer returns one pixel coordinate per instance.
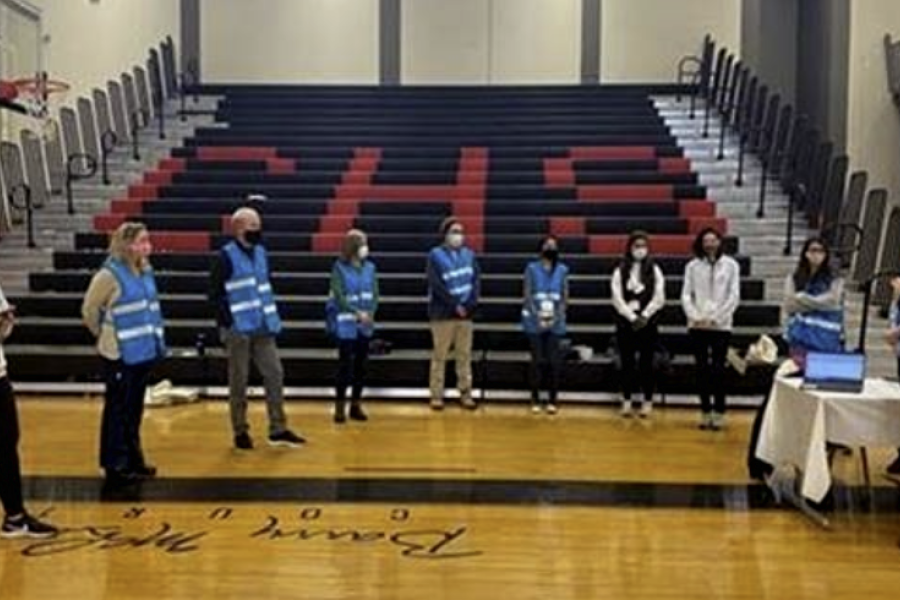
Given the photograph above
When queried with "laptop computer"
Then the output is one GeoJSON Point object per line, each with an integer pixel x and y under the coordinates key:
{"type": "Point", "coordinates": [835, 372]}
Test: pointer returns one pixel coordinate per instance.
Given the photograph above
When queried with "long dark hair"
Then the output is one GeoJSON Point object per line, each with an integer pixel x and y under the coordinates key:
{"type": "Point", "coordinates": [648, 271]}
{"type": "Point", "coordinates": [803, 274]}
{"type": "Point", "coordinates": [699, 252]}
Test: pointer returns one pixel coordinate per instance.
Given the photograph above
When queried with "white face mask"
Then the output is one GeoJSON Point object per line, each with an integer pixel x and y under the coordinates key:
{"type": "Point", "coordinates": [455, 240]}
{"type": "Point", "coordinates": [363, 252]}
{"type": "Point", "coordinates": [639, 253]}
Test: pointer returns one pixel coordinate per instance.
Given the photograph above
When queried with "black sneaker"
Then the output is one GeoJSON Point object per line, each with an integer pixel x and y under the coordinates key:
{"type": "Point", "coordinates": [357, 414]}
{"type": "Point", "coordinates": [117, 478]}
{"type": "Point", "coordinates": [26, 526]}
{"type": "Point", "coordinates": [286, 438]}
{"type": "Point", "coordinates": [243, 441]}
{"type": "Point", "coordinates": [145, 471]}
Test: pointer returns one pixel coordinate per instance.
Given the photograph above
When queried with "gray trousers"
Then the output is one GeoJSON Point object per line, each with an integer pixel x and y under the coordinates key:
{"type": "Point", "coordinates": [261, 349]}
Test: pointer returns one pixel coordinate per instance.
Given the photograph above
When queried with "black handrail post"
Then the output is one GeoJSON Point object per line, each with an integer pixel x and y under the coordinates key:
{"type": "Point", "coordinates": [864, 322]}
{"type": "Point", "coordinates": [161, 113]}
{"type": "Point", "coordinates": [789, 234]}
{"type": "Point", "coordinates": [739, 180]}
{"type": "Point", "coordinates": [108, 142]}
{"type": "Point", "coordinates": [182, 98]}
{"type": "Point", "coordinates": [72, 175]}
{"type": "Point", "coordinates": [135, 142]}
{"type": "Point", "coordinates": [761, 211]}
{"type": "Point", "coordinates": [27, 207]}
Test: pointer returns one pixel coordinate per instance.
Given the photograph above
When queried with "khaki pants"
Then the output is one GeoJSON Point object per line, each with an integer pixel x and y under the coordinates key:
{"type": "Point", "coordinates": [447, 334]}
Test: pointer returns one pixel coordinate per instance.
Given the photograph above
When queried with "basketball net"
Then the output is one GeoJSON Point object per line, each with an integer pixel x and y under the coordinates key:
{"type": "Point", "coordinates": [41, 97]}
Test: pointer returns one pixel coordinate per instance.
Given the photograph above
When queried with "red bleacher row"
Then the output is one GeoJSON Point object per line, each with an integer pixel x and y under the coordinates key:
{"type": "Point", "coordinates": [467, 197]}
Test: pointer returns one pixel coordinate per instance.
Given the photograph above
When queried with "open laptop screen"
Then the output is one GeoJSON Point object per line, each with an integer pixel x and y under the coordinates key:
{"type": "Point", "coordinates": [835, 367]}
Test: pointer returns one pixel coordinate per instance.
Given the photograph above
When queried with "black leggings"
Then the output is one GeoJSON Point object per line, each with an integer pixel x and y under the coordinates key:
{"type": "Point", "coordinates": [631, 343]}
{"type": "Point", "coordinates": [10, 471]}
{"type": "Point", "coordinates": [710, 348]}
{"type": "Point", "coordinates": [546, 364]}
{"type": "Point", "coordinates": [352, 358]}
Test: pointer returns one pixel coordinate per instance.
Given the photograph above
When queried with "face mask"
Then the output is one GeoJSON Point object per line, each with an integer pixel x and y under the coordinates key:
{"type": "Point", "coordinates": [455, 240]}
{"type": "Point", "coordinates": [363, 252]}
{"type": "Point", "coordinates": [639, 253]}
{"type": "Point", "coordinates": [253, 237]}
{"type": "Point", "coordinates": [551, 254]}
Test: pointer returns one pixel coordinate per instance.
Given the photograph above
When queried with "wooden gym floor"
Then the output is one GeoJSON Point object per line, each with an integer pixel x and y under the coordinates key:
{"type": "Point", "coordinates": [499, 503]}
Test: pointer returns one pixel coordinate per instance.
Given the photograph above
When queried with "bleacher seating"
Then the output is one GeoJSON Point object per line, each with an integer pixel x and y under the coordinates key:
{"type": "Point", "coordinates": [514, 163]}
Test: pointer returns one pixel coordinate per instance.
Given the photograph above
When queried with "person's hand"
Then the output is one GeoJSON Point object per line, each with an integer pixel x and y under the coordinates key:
{"type": "Point", "coordinates": [892, 336]}
{"type": "Point", "coordinates": [364, 317]}
{"type": "Point", "coordinates": [461, 312]}
{"type": "Point", "coordinates": [895, 285]}
{"type": "Point", "coordinates": [639, 323]}
{"type": "Point", "coordinates": [701, 324]}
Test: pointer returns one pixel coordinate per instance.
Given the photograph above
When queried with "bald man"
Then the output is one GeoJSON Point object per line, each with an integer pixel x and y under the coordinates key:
{"type": "Point", "coordinates": [249, 323]}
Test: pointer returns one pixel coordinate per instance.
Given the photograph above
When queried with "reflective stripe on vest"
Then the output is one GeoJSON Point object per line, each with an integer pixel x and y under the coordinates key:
{"type": "Point", "coordinates": [545, 287]}
{"type": "Point", "coordinates": [359, 294]}
{"type": "Point", "coordinates": [457, 270]}
{"type": "Point", "coordinates": [249, 292]}
{"type": "Point", "coordinates": [136, 315]}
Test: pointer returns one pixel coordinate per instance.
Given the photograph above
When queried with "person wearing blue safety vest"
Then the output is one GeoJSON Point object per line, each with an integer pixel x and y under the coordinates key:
{"type": "Point", "coordinates": [248, 320]}
{"type": "Point", "coordinates": [813, 308]}
{"type": "Point", "coordinates": [892, 336]}
{"type": "Point", "coordinates": [121, 309]}
{"type": "Point", "coordinates": [454, 283]}
{"type": "Point", "coordinates": [352, 304]}
{"type": "Point", "coordinates": [546, 295]}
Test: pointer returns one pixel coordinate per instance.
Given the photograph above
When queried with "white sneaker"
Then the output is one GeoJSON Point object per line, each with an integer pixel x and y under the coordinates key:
{"type": "Point", "coordinates": [551, 408]}
{"type": "Point", "coordinates": [716, 421]}
{"type": "Point", "coordinates": [536, 408]}
{"type": "Point", "coordinates": [646, 409]}
{"type": "Point", "coordinates": [625, 411]}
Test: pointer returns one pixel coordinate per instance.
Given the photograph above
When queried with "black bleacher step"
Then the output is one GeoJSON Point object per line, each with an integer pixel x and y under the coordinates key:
{"type": "Point", "coordinates": [392, 309]}
{"type": "Point", "coordinates": [536, 180]}
{"type": "Point", "coordinates": [545, 207]}
{"type": "Point", "coordinates": [299, 149]}
{"type": "Point", "coordinates": [224, 137]}
{"type": "Point", "coordinates": [390, 284]}
{"type": "Point", "coordinates": [302, 367]}
{"type": "Point", "coordinates": [276, 190]}
{"type": "Point", "coordinates": [392, 242]}
{"type": "Point", "coordinates": [460, 127]}
{"type": "Point", "coordinates": [397, 262]}
{"type": "Point", "coordinates": [411, 335]}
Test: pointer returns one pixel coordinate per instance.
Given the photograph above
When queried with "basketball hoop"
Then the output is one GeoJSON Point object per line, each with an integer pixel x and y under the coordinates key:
{"type": "Point", "coordinates": [39, 95]}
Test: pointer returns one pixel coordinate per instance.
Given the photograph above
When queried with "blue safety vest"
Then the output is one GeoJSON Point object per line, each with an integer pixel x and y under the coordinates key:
{"type": "Point", "coordinates": [359, 293]}
{"type": "Point", "coordinates": [547, 289]}
{"type": "Point", "coordinates": [249, 292]}
{"type": "Point", "coordinates": [457, 269]}
{"type": "Point", "coordinates": [817, 330]}
{"type": "Point", "coordinates": [136, 315]}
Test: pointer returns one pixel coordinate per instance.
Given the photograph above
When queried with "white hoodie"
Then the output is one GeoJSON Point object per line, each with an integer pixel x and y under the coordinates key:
{"type": "Point", "coordinates": [712, 291]}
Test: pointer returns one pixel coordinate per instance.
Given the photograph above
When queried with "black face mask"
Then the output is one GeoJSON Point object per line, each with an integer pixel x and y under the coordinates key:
{"type": "Point", "coordinates": [551, 254]}
{"type": "Point", "coordinates": [253, 237]}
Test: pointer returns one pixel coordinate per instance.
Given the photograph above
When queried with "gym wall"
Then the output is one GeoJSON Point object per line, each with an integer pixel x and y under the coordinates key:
{"type": "Point", "coordinates": [491, 41]}
{"type": "Point", "coordinates": [291, 41]}
{"type": "Point", "coordinates": [91, 42]}
{"type": "Point", "coordinates": [643, 40]}
{"type": "Point", "coordinates": [873, 122]}
{"type": "Point", "coordinates": [455, 41]}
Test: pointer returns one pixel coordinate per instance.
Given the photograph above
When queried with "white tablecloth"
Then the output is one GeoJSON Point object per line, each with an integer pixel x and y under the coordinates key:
{"type": "Point", "coordinates": [798, 423]}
